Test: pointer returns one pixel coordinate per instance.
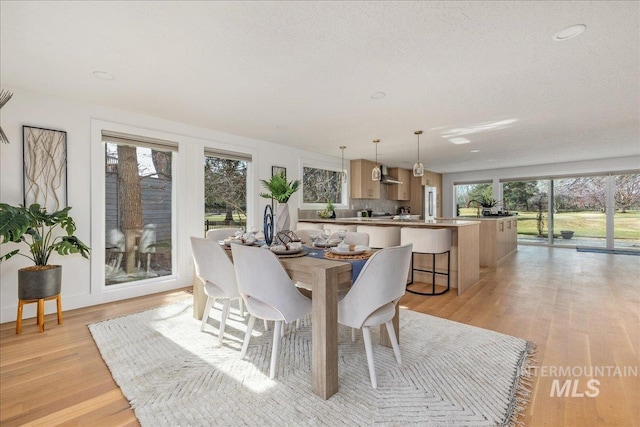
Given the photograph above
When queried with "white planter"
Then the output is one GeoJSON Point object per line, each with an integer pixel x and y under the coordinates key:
{"type": "Point", "coordinates": [282, 218]}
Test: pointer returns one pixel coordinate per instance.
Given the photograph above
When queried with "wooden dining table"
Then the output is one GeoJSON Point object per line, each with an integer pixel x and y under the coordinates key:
{"type": "Point", "coordinates": [325, 277]}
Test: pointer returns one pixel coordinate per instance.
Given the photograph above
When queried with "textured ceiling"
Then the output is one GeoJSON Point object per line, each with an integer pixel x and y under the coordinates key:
{"type": "Point", "coordinates": [302, 73]}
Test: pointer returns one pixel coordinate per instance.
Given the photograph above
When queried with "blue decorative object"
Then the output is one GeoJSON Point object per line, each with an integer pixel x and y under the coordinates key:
{"type": "Point", "coordinates": [268, 225]}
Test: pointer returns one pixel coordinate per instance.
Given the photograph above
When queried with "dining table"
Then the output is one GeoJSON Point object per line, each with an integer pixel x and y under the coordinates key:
{"type": "Point", "coordinates": [325, 276]}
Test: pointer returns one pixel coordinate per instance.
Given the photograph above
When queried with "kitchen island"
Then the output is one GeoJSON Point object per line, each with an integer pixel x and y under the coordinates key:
{"type": "Point", "coordinates": [498, 238]}
{"type": "Point", "coordinates": [465, 249]}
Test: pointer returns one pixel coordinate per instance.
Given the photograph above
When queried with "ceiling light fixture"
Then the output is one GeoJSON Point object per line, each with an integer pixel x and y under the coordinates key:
{"type": "Point", "coordinates": [103, 75]}
{"type": "Point", "coordinates": [378, 95]}
{"type": "Point", "coordinates": [569, 32]}
{"type": "Point", "coordinates": [459, 140]}
{"type": "Point", "coordinates": [418, 167]}
{"type": "Point", "coordinates": [343, 173]}
{"type": "Point", "coordinates": [376, 173]}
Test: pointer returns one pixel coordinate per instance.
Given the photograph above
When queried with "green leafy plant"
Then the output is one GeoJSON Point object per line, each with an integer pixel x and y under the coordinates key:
{"type": "Point", "coordinates": [279, 188]}
{"type": "Point", "coordinates": [486, 201]}
{"type": "Point", "coordinates": [35, 227]}
{"type": "Point", "coordinates": [328, 210]}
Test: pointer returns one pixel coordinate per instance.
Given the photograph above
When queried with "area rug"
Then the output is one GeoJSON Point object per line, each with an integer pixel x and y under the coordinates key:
{"type": "Point", "coordinates": [174, 375]}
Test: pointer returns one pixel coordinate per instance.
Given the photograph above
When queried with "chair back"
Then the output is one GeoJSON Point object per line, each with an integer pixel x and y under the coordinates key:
{"type": "Point", "coordinates": [427, 240]}
{"type": "Point", "coordinates": [383, 280]}
{"type": "Point", "coordinates": [220, 233]}
{"type": "Point", "coordinates": [214, 266]}
{"type": "Point", "coordinates": [148, 239]}
{"type": "Point", "coordinates": [381, 237]}
{"type": "Point", "coordinates": [116, 239]}
{"type": "Point", "coordinates": [261, 276]}
{"type": "Point", "coordinates": [353, 238]}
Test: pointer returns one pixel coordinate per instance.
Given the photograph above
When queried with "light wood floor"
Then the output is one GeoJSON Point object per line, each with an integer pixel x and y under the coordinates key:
{"type": "Point", "coordinates": [580, 309]}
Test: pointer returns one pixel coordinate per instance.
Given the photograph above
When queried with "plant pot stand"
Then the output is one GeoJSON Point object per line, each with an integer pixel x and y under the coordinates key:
{"type": "Point", "coordinates": [40, 312]}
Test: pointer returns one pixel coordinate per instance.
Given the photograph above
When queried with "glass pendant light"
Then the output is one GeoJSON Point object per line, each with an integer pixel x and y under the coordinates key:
{"type": "Point", "coordinates": [376, 173]}
{"type": "Point", "coordinates": [418, 168]}
{"type": "Point", "coordinates": [343, 172]}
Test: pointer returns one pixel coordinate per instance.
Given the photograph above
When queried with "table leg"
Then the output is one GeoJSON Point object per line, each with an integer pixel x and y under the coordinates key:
{"type": "Point", "coordinates": [384, 335]}
{"type": "Point", "coordinates": [324, 324]}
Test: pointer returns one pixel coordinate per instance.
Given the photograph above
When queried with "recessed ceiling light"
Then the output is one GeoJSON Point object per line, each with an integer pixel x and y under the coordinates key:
{"type": "Point", "coordinates": [491, 160]}
{"type": "Point", "coordinates": [103, 75]}
{"type": "Point", "coordinates": [281, 126]}
{"type": "Point", "coordinates": [378, 95]}
{"type": "Point", "coordinates": [569, 32]}
{"type": "Point", "coordinates": [459, 140]}
{"type": "Point", "coordinates": [474, 151]}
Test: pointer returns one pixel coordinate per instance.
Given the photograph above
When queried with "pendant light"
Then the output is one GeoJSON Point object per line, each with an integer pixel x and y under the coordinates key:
{"type": "Point", "coordinates": [418, 168]}
{"type": "Point", "coordinates": [376, 173]}
{"type": "Point", "coordinates": [343, 172]}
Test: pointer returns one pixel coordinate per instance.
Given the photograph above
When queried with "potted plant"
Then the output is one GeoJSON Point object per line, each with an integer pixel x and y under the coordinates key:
{"type": "Point", "coordinates": [280, 190]}
{"type": "Point", "coordinates": [328, 212]}
{"type": "Point", "coordinates": [35, 227]}
{"type": "Point", "coordinates": [486, 202]}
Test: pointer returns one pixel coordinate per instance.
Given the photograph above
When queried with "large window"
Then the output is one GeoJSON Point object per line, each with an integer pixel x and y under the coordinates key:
{"type": "Point", "coordinates": [139, 195]}
{"type": "Point", "coordinates": [225, 191]}
{"type": "Point", "coordinates": [589, 211]}
{"type": "Point", "coordinates": [320, 186]}
{"type": "Point", "coordinates": [626, 222]}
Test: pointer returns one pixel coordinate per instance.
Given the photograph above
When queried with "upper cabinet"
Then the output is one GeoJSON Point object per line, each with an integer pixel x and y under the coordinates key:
{"type": "Point", "coordinates": [400, 191]}
{"type": "Point", "coordinates": [362, 186]}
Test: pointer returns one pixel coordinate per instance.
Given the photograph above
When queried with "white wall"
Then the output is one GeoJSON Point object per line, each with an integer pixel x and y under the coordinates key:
{"type": "Point", "coordinates": [80, 120]}
{"type": "Point", "coordinates": [554, 170]}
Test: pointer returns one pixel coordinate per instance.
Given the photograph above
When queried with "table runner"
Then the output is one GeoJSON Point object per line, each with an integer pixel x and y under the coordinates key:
{"type": "Point", "coordinates": [356, 265]}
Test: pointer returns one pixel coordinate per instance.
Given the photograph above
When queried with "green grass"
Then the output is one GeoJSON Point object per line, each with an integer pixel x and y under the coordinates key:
{"type": "Point", "coordinates": [584, 224]}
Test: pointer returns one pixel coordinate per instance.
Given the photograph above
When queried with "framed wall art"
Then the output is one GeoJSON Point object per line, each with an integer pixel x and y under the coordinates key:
{"type": "Point", "coordinates": [45, 167]}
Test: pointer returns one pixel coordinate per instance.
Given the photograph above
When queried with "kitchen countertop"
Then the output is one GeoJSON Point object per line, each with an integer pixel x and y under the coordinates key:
{"type": "Point", "coordinates": [441, 222]}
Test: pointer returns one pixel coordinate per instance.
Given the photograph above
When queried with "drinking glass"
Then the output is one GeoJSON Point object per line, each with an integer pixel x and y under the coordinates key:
{"type": "Point", "coordinates": [342, 234]}
{"type": "Point", "coordinates": [325, 234]}
{"type": "Point", "coordinates": [313, 236]}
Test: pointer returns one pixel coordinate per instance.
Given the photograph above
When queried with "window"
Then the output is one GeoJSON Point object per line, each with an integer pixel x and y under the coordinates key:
{"type": "Point", "coordinates": [225, 191]}
{"type": "Point", "coordinates": [466, 196]}
{"type": "Point", "coordinates": [139, 218]}
{"type": "Point", "coordinates": [321, 185]}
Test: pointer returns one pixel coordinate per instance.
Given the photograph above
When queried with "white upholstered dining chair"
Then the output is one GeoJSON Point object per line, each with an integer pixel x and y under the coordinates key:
{"type": "Point", "coordinates": [215, 270]}
{"type": "Point", "coordinates": [372, 299]}
{"type": "Point", "coordinates": [220, 233]}
{"type": "Point", "coordinates": [268, 293]}
{"type": "Point", "coordinates": [352, 238]}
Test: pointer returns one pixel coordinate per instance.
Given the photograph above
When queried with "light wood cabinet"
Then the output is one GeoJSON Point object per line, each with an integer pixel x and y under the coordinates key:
{"type": "Point", "coordinates": [498, 240]}
{"type": "Point", "coordinates": [362, 186]}
{"type": "Point", "coordinates": [400, 191]}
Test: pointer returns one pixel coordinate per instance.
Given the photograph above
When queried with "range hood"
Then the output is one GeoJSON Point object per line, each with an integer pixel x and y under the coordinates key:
{"type": "Point", "coordinates": [386, 179]}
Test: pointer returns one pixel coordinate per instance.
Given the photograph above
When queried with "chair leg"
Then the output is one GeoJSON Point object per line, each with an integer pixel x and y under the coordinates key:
{"type": "Point", "coordinates": [247, 336]}
{"type": "Point", "coordinates": [223, 318]}
{"type": "Point", "coordinates": [19, 318]}
{"type": "Point", "coordinates": [41, 314]}
{"type": "Point", "coordinates": [394, 341]}
{"type": "Point", "coordinates": [366, 334]}
{"type": "Point", "coordinates": [59, 308]}
{"type": "Point", "coordinates": [353, 334]}
{"type": "Point", "coordinates": [297, 324]}
{"type": "Point", "coordinates": [274, 350]}
{"type": "Point", "coordinates": [266, 325]}
{"type": "Point", "coordinates": [205, 315]}
{"type": "Point", "coordinates": [241, 306]}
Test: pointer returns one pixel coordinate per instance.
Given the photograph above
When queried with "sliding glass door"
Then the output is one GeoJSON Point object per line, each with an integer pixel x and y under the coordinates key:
{"type": "Point", "coordinates": [590, 211]}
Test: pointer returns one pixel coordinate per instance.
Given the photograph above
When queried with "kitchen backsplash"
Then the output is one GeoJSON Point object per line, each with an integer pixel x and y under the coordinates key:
{"type": "Point", "coordinates": [381, 205]}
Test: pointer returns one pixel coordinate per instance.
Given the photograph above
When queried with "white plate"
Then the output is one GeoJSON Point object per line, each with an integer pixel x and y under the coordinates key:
{"type": "Point", "coordinates": [356, 252]}
{"type": "Point", "coordinates": [286, 252]}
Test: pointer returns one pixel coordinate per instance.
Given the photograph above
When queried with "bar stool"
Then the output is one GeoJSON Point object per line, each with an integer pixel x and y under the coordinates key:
{"type": "Point", "coordinates": [40, 311]}
{"type": "Point", "coordinates": [431, 241]}
{"type": "Point", "coordinates": [381, 236]}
